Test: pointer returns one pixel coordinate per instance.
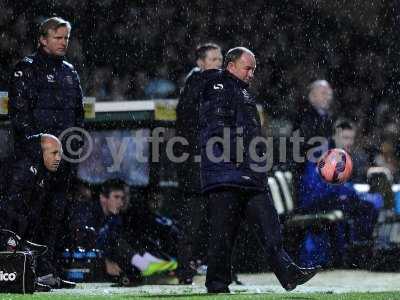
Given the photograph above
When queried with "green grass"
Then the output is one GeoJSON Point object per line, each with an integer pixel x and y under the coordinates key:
{"type": "Point", "coordinates": [267, 296]}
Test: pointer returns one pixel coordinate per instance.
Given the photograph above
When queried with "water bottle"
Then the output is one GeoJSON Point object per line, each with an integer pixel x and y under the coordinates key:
{"type": "Point", "coordinates": [91, 255]}
{"type": "Point", "coordinates": [77, 269]}
{"type": "Point", "coordinates": [397, 203]}
{"type": "Point", "coordinates": [66, 255]}
{"type": "Point", "coordinates": [66, 260]}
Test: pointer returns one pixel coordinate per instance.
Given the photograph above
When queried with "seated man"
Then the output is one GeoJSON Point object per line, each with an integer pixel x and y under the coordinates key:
{"type": "Point", "coordinates": [23, 209]}
{"type": "Point", "coordinates": [123, 255]}
{"type": "Point", "coordinates": [316, 195]}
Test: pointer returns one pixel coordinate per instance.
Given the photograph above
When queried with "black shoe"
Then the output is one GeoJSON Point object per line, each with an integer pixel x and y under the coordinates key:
{"type": "Point", "coordinates": [130, 280]}
{"type": "Point", "coordinates": [236, 280]}
{"type": "Point", "coordinates": [56, 282]}
{"type": "Point", "coordinates": [39, 287]}
{"type": "Point", "coordinates": [299, 276]}
{"type": "Point", "coordinates": [66, 284]}
{"type": "Point", "coordinates": [186, 281]}
{"type": "Point", "coordinates": [185, 275]}
{"type": "Point", "coordinates": [218, 290]}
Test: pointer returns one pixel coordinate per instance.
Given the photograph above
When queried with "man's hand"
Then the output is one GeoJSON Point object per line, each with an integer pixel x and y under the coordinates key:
{"type": "Point", "coordinates": [112, 268]}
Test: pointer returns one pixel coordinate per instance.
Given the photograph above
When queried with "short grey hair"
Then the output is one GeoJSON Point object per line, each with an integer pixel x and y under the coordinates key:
{"type": "Point", "coordinates": [234, 54]}
{"type": "Point", "coordinates": [317, 83]}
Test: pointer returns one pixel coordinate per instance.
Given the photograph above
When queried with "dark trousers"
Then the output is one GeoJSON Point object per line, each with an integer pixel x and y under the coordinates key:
{"type": "Point", "coordinates": [192, 218]}
{"type": "Point", "coordinates": [226, 207]}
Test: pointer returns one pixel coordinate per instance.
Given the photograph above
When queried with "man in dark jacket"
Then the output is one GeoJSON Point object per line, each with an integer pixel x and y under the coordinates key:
{"type": "Point", "coordinates": [192, 213]}
{"type": "Point", "coordinates": [46, 97]}
{"type": "Point", "coordinates": [233, 174]}
{"type": "Point", "coordinates": [315, 120]}
{"type": "Point", "coordinates": [45, 92]}
{"type": "Point", "coordinates": [24, 210]}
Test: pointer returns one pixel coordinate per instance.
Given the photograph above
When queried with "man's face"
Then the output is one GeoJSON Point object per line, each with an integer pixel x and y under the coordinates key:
{"type": "Point", "coordinates": [213, 60]}
{"type": "Point", "coordinates": [344, 138]}
{"type": "Point", "coordinates": [244, 67]}
{"type": "Point", "coordinates": [115, 202]}
{"type": "Point", "coordinates": [52, 156]}
{"type": "Point", "coordinates": [321, 96]}
{"type": "Point", "coordinates": [56, 41]}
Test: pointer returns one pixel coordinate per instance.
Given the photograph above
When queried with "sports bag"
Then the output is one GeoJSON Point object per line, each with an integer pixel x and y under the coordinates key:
{"type": "Point", "coordinates": [17, 264]}
{"type": "Point", "coordinates": [17, 272]}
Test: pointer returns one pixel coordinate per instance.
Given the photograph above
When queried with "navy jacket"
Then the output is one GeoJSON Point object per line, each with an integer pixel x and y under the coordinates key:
{"type": "Point", "coordinates": [227, 103]}
{"type": "Point", "coordinates": [45, 96]}
{"type": "Point", "coordinates": [22, 206]}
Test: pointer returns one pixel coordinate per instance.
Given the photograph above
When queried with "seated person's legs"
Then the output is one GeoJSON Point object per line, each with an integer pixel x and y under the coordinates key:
{"type": "Point", "coordinates": [135, 263]}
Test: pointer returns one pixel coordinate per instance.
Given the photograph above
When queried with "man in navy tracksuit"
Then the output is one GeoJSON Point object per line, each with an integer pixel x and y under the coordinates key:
{"type": "Point", "coordinates": [46, 97]}
{"type": "Point", "coordinates": [233, 174]}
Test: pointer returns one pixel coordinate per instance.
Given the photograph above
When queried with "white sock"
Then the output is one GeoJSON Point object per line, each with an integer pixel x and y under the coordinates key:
{"type": "Point", "coordinates": [142, 262]}
{"type": "Point", "coordinates": [151, 258]}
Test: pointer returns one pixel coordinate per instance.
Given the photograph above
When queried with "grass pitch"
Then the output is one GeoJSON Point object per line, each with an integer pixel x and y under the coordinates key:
{"type": "Point", "coordinates": [266, 296]}
{"type": "Point", "coordinates": [328, 285]}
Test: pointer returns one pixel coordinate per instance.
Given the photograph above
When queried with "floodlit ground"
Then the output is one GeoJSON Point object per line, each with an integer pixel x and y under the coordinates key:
{"type": "Point", "coordinates": [343, 285]}
{"type": "Point", "coordinates": [326, 282]}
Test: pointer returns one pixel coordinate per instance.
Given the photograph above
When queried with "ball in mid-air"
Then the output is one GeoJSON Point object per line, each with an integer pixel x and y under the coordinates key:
{"type": "Point", "coordinates": [335, 166]}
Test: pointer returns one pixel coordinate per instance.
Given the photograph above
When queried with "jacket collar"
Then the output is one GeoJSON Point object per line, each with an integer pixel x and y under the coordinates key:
{"type": "Point", "coordinates": [49, 59]}
{"type": "Point", "coordinates": [241, 83]}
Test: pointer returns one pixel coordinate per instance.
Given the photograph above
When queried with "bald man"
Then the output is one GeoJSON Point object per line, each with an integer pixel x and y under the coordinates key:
{"type": "Point", "coordinates": [52, 151]}
{"type": "Point", "coordinates": [25, 208]}
{"type": "Point", "coordinates": [233, 174]}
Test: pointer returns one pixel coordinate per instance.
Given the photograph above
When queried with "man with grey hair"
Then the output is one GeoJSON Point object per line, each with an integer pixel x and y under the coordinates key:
{"type": "Point", "coordinates": [315, 118]}
{"type": "Point", "coordinates": [314, 124]}
{"type": "Point", "coordinates": [233, 174]}
{"type": "Point", "coordinates": [45, 92]}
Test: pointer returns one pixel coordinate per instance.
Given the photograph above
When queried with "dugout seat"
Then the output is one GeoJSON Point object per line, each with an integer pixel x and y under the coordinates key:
{"type": "Point", "coordinates": [281, 192]}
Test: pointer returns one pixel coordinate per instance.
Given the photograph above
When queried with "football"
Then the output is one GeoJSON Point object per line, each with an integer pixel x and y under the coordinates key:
{"type": "Point", "coordinates": [335, 166]}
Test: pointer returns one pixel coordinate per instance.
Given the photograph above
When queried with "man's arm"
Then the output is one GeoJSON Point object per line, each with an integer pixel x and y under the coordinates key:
{"type": "Point", "coordinates": [187, 111]}
{"type": "Point", "coordinates": [79, 112]}
{"type": "Point", "coordinates": [19, 190]}
{"type": "Point", "coordinates": [22, 95]}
